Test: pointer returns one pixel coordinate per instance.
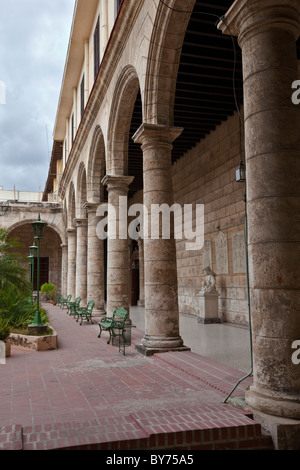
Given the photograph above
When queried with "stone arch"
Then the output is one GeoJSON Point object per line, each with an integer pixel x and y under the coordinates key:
{"type": "Point", "coordinates": [120, 119]}
{"type": "Point", "coordinates": [164, 58]}
{"type": "Point", "coordinates": [29, 220]}
{"type": "Point", "coordinates": [50, 248]}
{"type": "Point", "coordinates": [81, 193]}
{"type": "Point", "coordinates": [96, 169]}
{"type": "Point", "coordinates": [71, 214]}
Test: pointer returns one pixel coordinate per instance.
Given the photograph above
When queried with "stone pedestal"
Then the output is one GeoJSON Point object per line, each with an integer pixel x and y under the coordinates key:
{"type": "Point", "coordinates": [267, 33]}
{"type": "Point", "coordinates": [161, 296]}
{"type": "Point", "coordinates": [37, 330]}
{"type": "Point", "coordinates": [208, 304]}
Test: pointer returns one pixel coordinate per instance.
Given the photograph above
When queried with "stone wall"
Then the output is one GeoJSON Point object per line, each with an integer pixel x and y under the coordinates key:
{"type": "Point", "coordinates": [206, 175]}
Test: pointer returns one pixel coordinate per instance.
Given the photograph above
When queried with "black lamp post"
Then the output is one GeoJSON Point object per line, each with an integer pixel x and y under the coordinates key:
{"type": "Point", "coordinates": [38, 231]}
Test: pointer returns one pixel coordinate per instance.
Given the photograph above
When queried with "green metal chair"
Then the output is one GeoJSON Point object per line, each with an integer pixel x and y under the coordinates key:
{"type": "Point", "coordinates": [113, 324]}
{"type": "Point", "coordinates": [73, 306]}
{"type": "Point", "coordinates": [85, 312]}
{"type": "Point", "coordinates": [64, 302]}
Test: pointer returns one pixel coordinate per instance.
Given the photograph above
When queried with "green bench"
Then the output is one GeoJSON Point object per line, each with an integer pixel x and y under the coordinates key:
{"type": "Point", "coordinates": [113, 324]}
{"type": "Point", "coordinates": [85, 312]}
{"type": "Point", "coordinates": [73, 306]}
{"type": "Point", "coordinates": [64, 302]}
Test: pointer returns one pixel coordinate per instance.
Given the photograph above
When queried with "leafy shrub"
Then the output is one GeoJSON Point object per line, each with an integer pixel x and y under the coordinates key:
{"type": "Point", "coordinates": [17, 308]}
{"type": "Point", "coordinates": [48, 290]}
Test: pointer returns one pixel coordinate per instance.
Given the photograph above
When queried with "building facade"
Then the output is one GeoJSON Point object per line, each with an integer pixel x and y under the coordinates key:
{"type": "Point", "coordinates": [161, 102]}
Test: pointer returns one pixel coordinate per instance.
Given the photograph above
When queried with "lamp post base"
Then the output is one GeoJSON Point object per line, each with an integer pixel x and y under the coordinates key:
{"type": "Point", "coordinates": [37, 330]}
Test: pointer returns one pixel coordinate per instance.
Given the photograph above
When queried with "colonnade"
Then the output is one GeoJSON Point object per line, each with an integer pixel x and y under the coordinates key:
{"type": "Point", "coordinates": [267, 35]}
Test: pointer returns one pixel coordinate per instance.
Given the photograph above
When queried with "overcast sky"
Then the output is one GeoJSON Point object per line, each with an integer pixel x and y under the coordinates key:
{"type": "Point", "coordinates": [34, 36]}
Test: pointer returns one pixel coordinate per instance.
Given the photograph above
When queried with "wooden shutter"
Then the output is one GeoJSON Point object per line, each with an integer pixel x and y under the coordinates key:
{"type": "Point", "coordinates": [97, 48]}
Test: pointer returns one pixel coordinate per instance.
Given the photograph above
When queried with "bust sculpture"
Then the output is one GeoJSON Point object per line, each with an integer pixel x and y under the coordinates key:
{"type": "Point", "coordinates": [209, 284]}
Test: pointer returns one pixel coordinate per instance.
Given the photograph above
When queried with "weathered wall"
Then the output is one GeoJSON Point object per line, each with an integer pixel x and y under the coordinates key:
{"type": "Point", "coordinates": [206, 175]}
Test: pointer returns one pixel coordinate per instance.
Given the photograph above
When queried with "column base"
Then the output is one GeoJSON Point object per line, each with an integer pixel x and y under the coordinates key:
{"type": "Point", "coordinates": [274, 404]}
{"type": "Point", "coordinates": [285, 432]}
{"type": "Point", "coordinates": [207, 321]}
{"type": "Point", "coordinates": [151, 351]}
{"type": "Point", "coordinates": [152, 345]}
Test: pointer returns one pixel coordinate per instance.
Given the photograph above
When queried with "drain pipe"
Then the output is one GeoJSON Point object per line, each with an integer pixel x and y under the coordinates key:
{"type": "Point", "coordinates": [249, 313]}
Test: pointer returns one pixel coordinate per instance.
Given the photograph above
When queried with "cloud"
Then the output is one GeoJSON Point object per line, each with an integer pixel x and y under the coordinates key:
{"type": "Point", "coordinates": [34, 38]}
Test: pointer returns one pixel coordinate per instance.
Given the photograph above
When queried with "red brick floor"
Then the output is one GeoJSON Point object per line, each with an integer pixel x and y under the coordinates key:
{"type": "Point", "coordinates": [86, 393]}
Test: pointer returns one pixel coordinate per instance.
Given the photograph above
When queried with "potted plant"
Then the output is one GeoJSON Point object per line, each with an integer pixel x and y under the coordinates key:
{"type": "Point", "coordinates": [4, 335]}
{"type": "Point", "coordinates": [49, 290]}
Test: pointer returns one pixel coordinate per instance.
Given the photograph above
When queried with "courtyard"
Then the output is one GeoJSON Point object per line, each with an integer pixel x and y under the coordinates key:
{"type": "Point", "coordinates": [87, 395]}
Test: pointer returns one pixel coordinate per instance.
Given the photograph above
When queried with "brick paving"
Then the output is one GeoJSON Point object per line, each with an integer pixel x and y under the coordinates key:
{"type": "Point", "coordinates": [86, 394]}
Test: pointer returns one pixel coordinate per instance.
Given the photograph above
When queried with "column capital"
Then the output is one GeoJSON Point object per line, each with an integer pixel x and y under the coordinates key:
{"type": "Point", "coordinates": [64, 245]}
{"type": "Point", "coordinates": [246, 18]}
{"type": "Point", "coordinates": [71, 230]}
{"type": "Point", "coordinates": [117, 181]}
{"type": "Point", "coordinates": [155, 133]}
{"type": "Point", "coordinates": [80, 222]}
{"type": "Point", "coordinates": [91, 206]}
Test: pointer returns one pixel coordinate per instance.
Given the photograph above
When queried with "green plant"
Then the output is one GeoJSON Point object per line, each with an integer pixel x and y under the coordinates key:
{"type": "Point", "coordinates": [48, 290]}
{"type": "Point", "coordinates": [4, 329]}
{"type": "Point", "coordinates": [12, 270]}
{"type": "Point", "coordinates": [16, 308]}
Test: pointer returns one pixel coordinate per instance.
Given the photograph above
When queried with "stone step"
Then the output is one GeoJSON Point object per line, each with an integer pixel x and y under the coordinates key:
{"type": "Point", "coordinates": [205, 428]}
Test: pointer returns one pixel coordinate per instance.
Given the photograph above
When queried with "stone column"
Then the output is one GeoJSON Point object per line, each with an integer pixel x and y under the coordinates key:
{"type": "Point", "coordinates": [118, 266]}
{"type": "Point", "coordinates": [141, 301]}
{"type": "Point", "coordinates": [81, 260]}
{"type": "Point", "coordinates": [64, 270]}
{"type": "Point", "coordinates": [267, 32]}
{"type": "Point", "coordinates": [161, 296]}
{"type": "Point", "coordinates": [95, 261]}
{"type": "Point", "coordinates": [71, 284]}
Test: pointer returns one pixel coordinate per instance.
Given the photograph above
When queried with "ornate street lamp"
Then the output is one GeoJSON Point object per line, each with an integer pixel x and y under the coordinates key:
{"type": "Point", "coordinates": [38, 231]}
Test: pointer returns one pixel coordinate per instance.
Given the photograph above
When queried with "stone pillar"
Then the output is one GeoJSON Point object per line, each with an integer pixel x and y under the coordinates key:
{"type": "Point", "coordinates": [118, 266]}
{"type": "Point", "coordinates": [95, 262]}
{"type": "Point", "coordinates": [81, 260]}
{"type": "Point", "coordinates": [64, 270]}
{"type": "Point", "coordinates": [267, 32]}
{"type": "Point", "coordinates": [71, 284]}
{"type": "Point", "coordinates": [141, 301]}
{"type": "Point", "coordinates": [161, 296]}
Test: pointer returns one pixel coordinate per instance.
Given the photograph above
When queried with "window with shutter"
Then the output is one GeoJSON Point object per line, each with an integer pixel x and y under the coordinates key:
{"type": "Point", "coordinates": [72, 128]}
{"type": "Point", "coordinates": [97, 48]}
{"type": "Point", "coordinates": [82, 96]}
